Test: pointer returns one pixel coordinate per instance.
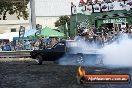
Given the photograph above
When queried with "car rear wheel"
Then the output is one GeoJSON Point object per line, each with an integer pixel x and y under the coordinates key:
{"type": "Point", "coordinates": [39, 59]}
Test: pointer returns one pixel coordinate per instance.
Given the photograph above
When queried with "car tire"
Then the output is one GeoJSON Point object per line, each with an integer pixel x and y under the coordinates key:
{"type": "Point", "coordinates": [80, 59]}
{"type": "Point", "coordinates": [39, 59]}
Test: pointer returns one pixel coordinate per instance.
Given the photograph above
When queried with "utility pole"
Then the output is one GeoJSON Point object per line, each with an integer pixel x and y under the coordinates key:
{"type": "Point", "coordinates": [33, 16]}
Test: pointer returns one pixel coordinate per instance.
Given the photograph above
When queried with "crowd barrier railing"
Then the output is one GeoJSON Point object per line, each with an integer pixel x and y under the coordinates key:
{"type": "Point", "coordinates": [15, 54]}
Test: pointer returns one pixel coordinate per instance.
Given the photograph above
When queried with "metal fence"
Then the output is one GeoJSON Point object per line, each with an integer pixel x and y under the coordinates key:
{"type": "Point", "coordinates": [15, 54]}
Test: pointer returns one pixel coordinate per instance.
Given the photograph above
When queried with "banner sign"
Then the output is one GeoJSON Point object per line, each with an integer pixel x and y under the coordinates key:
{"type": "Point", "coordinates": [129, 3]}
{"type": "Point", "coordinates": [21, 32]}
{"type": "Point", "coordinates": [111, 6]}
{"type": "Point", "coordinates": [104, 7]}
{"type": "Point", "coordinates": [38, 33]}
{"type": "Point", "coordinates": [122, 5]}
{"type": "Point", "coordinates": [118, 5]}
{"type": "Point", "coordinates": [81, 9]}
{"type": "Point", "coordinates": [81, 3]}
{"type": "Point", "coordinates": [96, 8]}
{"type": "Point", "coordinates": [119, 20]}
{"type": "Point", "coordinates": [38, 27]}
{"type": "Point", "coordinates": [73, 9]}
{"type": "Point", "coordinates": [89, 8]}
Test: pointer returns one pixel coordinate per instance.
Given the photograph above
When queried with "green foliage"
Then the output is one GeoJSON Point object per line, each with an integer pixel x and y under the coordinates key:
{"type": "Point", "coordinates": [62, 21]}
{"type": "Point", "coordinates": [14, 6]}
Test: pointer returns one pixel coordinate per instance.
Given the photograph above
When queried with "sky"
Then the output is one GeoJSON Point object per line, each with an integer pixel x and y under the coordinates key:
{"type": "Point", "coordinates": [53, 7]}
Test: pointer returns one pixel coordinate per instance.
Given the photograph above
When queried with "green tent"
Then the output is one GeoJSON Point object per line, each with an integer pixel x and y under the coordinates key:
{"type": "Point", "coordinates": [48, 32]}
{"type": "Point", "coordinates": [33, 36]}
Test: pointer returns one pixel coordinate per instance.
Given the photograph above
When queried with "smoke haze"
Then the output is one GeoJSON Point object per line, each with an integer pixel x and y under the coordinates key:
{"type": "Point", "coordinates": [118, 53]}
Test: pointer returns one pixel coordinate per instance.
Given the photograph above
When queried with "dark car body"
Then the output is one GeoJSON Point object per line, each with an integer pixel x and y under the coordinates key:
{"type": "Point", "coordinates": [61, 49]}
{"type": "Point", "coordinates": [50, 54]}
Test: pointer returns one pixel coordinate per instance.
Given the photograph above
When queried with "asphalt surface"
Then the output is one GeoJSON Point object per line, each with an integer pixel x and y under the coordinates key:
{"type": "Point", "coordinates": [26, 74]}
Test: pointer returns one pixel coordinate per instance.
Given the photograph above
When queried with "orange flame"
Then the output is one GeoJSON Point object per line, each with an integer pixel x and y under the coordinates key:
{"type": "Point", "coordinates": [81, 71]}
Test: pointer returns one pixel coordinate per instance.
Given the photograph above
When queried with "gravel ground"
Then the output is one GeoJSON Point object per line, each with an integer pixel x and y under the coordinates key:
{"type": "Point", "coordinates": [24, 73]}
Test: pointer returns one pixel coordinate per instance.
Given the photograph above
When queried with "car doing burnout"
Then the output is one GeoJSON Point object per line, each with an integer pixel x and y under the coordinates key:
{"type": "Point", "coordinates": [68, 49]}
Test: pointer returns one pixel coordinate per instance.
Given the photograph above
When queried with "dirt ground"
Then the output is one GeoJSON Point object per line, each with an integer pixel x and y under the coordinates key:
{"type": "Point", "coordinates": [24, 73]}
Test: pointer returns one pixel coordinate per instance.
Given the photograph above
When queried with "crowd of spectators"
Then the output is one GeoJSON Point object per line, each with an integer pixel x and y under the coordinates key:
{"type": "Point", "coordinates": [104, 35]}
{"type": "Point", "coordinates": [28, 44]}
{"type": "Point", "coordinates": [93, 36]}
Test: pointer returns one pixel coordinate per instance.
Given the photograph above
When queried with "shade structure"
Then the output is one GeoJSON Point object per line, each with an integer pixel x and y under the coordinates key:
{"type": "Point", "coordinates": [33, 36]}
{"type": "Point", "coordinates": [30, 32]}
{"type": "Point", "coordinates": [48, 32]}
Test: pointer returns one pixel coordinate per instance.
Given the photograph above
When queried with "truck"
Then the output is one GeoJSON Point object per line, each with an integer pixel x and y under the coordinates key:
{"type": "Point", "coordinates": [68, 49]}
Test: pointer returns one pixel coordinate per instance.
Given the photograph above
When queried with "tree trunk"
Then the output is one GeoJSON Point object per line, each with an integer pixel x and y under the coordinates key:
{"type": "Point", "coordinates": [4, 15]}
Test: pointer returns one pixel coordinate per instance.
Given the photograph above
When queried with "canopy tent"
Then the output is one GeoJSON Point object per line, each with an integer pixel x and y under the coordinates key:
{"type": "Point", "coordinates": [33, 36]}
{"type": "Point", "coordinates": [30, 32]}
{"type": "Point", "coordinates": [9, 35]}
{"type": "Point", "coordinates": [48, 32]}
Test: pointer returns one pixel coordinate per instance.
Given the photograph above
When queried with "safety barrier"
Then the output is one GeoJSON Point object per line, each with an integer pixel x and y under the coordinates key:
{"type": "Point", "coordinates": [15, 54]}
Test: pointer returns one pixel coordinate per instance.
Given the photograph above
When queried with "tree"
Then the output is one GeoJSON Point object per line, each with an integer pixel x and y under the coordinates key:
{"type": "Point", "coordinates": [64, 21]}
{"type": "Point", "coordinates": [14, 6]}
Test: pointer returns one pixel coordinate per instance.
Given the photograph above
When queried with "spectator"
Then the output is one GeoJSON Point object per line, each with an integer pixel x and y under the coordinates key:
{"type": "Point", "coordinates": [7, 47]}
{"type": "Point", "coordinates": [43, 45]}
{"type": "Point", "coordinates": [36, 45]}
{"type": "Point", "coordinates": [40, 44]}
{"type": "Point", "coordinates": [99, 41]}
{"type": "Point", "coordinates": [19, 46]}
{"type": "Point", "coordinates": [53, 42]}
{"type": "Point", "coordinates": [4, 46]}
{"type": "Point", "coordinates": [91, 34]}
{"type": "Point", "coordinates": [24, 44]}
{"type": "Point", "coordinates": [0, 47]}
{"type": "Point", "coordinates": [28, 45]}
{"type": "Point", "coordinates": [33, 45]}
{"type": "Point", "coordinates": [12, 46]}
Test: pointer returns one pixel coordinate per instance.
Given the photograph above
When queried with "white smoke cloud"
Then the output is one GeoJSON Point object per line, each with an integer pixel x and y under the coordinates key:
{"type": "Point", "coordinates": [118, 53]}
{"type": "Point", "coordinates": [79, 46]}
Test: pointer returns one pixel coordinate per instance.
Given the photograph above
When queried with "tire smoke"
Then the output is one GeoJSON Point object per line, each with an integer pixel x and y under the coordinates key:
{"type": "Point", "coordinates": [119, 53]}
{"type": "Point", "coordinates": [116, 54]}
{"type": "Point", "coordinates": [77, 48]}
